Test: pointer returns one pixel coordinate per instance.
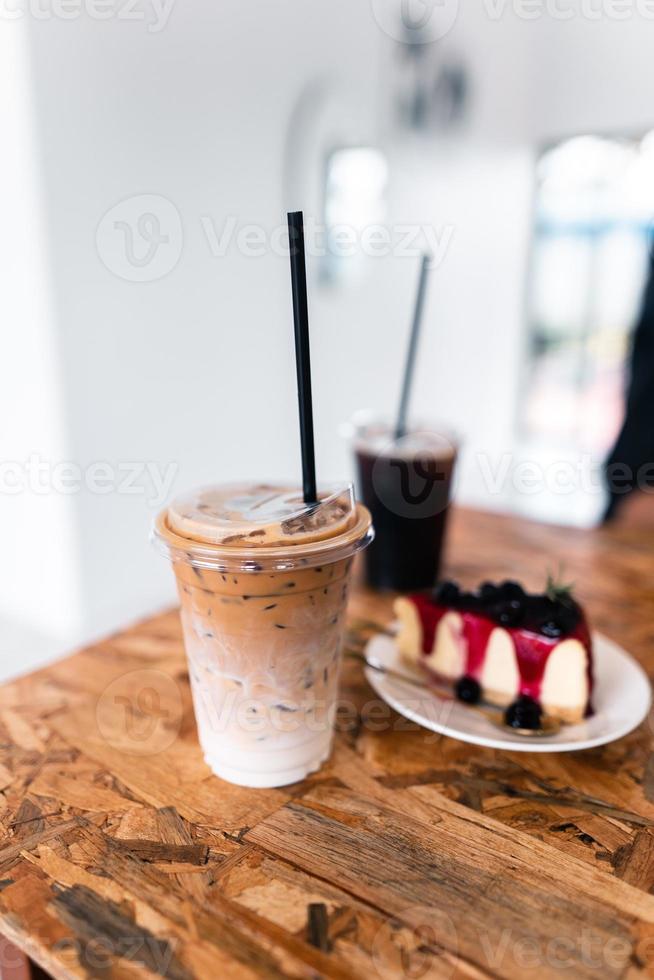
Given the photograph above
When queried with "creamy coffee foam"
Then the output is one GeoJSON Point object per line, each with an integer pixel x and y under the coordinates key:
{"type": "Point", "coordinates": [260, 515]}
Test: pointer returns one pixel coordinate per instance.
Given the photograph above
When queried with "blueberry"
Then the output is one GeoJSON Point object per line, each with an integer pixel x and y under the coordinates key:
{"type": "Point", "coordinates": [511, 590]}
{"type": "Point", "coordinates": [523, 713]}
{"type": "Point", "coordinates": [552, 617]}
{"type": "Point", "coordinates": [511, 613]}
{"type": "Point", "coordinates": [567, 617]}
{"type": "Point", "coordinates": [487, 591]}
{"type": "Point", "coordinates": [551, 628]}
{"type": "Point", "coordinates": [447, 593]}
{"type": "Point", "coordinates": [467, 689]}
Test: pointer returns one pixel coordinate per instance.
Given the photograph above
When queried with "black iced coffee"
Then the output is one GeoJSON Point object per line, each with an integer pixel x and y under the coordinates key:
{"type": "Point", "coordinates": [406, 485]}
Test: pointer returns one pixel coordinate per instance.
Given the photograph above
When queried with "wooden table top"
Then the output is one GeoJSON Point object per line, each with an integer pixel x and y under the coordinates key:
{"type": "Point", "coordinates": [407, 855]}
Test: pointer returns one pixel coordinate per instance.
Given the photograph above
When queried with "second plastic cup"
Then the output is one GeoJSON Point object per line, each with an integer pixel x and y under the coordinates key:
{"type": "Point", "coordinates": [406, 484]}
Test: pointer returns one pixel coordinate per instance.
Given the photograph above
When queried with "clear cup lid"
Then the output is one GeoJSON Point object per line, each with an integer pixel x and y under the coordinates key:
{"type": "Point", "coordinates": [377, 437]}
{"type": "Point", "coordinates": [253, 526]}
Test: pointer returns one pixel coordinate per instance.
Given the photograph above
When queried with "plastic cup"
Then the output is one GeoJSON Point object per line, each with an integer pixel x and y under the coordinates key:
{"type": "Point", "coordinates": [406, 485]}
{"type": "Point", "coordinates": [263, 583]}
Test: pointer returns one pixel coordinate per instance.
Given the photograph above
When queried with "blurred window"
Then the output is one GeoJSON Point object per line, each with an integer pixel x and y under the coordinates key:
{"type": "Point", "coordinates": [594, 206]}
{"type": "Point", "coordinates": [355, 202]}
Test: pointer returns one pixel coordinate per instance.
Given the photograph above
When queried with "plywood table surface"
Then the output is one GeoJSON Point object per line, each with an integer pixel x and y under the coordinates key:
{"type": "Point", "coordinates": [407, 855]}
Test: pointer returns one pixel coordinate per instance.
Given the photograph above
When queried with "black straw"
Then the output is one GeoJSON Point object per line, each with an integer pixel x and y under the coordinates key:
{"type": "Point", "coordinates": [400, 425]}
{"type": "Point", "coordinates": [302, 356]}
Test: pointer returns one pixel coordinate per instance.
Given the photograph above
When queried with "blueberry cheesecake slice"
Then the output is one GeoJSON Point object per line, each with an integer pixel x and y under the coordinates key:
{"type": "Point", "coordinates": [528, 653]}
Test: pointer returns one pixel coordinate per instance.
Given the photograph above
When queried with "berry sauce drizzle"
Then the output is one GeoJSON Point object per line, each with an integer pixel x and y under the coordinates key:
{"type": "Point", "coordinates": [532, 648]}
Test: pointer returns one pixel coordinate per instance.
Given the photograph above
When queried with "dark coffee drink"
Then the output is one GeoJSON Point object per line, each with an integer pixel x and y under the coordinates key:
{"type": "Point", "coordinates": [406, 486]}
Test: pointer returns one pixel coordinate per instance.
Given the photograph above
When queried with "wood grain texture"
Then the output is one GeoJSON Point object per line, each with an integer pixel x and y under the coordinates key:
{"type": "Point", "coordinates": [407, 855]}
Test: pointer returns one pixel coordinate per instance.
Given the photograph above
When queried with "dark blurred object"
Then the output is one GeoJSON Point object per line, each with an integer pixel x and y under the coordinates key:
{"type": "Point", "coordinates": [630, 464]}
{"type": "Point", "coordinates": [433, 89]}
{"type": "Point", "coordinates": [635, 511]}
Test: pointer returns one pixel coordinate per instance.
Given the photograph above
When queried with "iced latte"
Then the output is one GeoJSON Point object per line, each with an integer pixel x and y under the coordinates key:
{"type": "Point", "coordinates": [263, 584]}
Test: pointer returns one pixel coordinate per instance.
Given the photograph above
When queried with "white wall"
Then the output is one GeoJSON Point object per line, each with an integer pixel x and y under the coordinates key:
{"type": "Point", "coordinates": [39, 595]}
{"type": "Point", "coordinates": [194, 369]}
{"type": "Point", "coordinates": [594, 75]}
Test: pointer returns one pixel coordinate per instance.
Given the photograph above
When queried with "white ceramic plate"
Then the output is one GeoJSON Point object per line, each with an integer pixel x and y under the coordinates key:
{"type": "Point", "coordinates": [621, 699]}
